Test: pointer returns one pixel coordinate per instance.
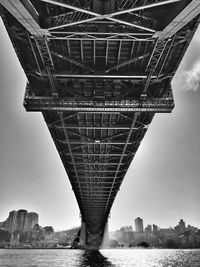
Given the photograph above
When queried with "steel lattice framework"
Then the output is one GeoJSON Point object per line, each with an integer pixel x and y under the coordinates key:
{"type": "Point", "coordinates": [99, 71]}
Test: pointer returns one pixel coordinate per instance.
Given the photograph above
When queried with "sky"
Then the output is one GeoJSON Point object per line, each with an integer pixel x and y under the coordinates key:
{"type": "Point", "coordinates": [161, 186]}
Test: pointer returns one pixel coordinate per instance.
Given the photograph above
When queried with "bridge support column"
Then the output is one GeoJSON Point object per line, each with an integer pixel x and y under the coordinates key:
{"type": "Point", "coordinates": [105, 236]}
{"type": "Point", "coordinates": [83, 235]}
{"type": "Point", "coordinates": [96, 236]}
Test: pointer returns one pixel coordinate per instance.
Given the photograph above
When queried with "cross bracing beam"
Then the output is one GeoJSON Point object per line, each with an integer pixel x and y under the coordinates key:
{"type": "Point", "coordinates": [109, 17]}
{"type": "Point", "coordinates": [101, 200]}
{"type": "Point", "coordinates": [96, 76]}
{"type": "Point", "coordinates": [100, 164]}
{"type": "Point", "coordinates": [86, 146]}
{"type": "Point", "coordinates": [96, 17]}
{"type": "Point", "coordinates": [103, 36]}
{"type": "Point", "coordinates": [95, 202]}
{"type": "Point", "coordinates": [100, 209]}
{"type": "Point", "coordinates": [103, 186]}
{"type": "Point", "coordinates": [160, 3]}
{"type": "Point", "coordinates": [27, 16]}
{"type": "Point", "coordinates": [156, 4]}
{"type": "Point", "coordinates": [35, 57]}
{"type": "Point", "coordinates": [114, 127]}
{"type": "Point", "coordinates": [115, 39]}
{"type": "Point", "coordinates": [45, 55]}
{"type": "Point", "coordinates": [96, 177]}
{"type": "Point", "coordinates": [98, 143]}
{"type": "Point", "coordinates": [122, 64]}
{"type": "Point", "coordinates": [68, 18]}
{"type": "Point", "coordinates": [100, 186]}
{"type": "Point", "coordinates": [44, 51]}
{"type": "Point", "coordinates": [97, 192]}
{"type": "Point", "coordinates": [100, 172]}
{"type": "Point", "coordinates": [70, 116]}
{"type": "Point", "coordinates": [80, 154]}
{"type": "Point", "coordinates": [190, 12]}
{"type": "Point", "coordinates": [96, 197]}
{"type": "Point", "coordinates": [70, 60]}
{"type": "Point", "coordinates": [156, 55]}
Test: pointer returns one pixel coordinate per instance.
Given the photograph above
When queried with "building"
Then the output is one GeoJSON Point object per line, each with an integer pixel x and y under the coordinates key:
{"type": "Point", "coordinates": [11, 221]}
{"type": "Point", "coordinates": [182, 227]}
{"type": "Point", "coordinates": [128, 228]}
{"type": "Point", "coordinates": [30, 220]}
{"type": "Point", "coordinates": [20, 220]}
{"type": "Point", "coordinates": [148, 229]}
{"type": "Point", "coordinates": [155, 228]}
{"type": "Point", "coordinates": [139, 225]}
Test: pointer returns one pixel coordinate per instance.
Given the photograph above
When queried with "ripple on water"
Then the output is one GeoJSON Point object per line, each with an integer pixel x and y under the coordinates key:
{"type": "Point", "coordinates": [104, 258]}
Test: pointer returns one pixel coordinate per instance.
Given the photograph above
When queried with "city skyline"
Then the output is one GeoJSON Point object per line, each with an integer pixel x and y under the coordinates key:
{"type": "Point", "coordinates": [30, 218]}
{"type": "Point", "coordinates": [161, 184]}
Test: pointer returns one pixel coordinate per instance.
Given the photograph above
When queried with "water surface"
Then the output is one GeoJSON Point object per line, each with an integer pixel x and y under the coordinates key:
{"type": "Point", "coordinates": [104, 258]}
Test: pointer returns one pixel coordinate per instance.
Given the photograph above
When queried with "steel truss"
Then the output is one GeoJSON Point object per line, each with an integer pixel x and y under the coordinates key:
{"type": "Point", "coordinates": [98, 78]}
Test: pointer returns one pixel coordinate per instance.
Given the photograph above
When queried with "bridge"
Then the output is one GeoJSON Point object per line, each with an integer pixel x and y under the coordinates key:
{"type": "Point", "coordinates": [99, 70]}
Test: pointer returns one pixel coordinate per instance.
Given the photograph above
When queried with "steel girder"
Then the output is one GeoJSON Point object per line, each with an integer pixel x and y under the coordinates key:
{"type": "Point", "coordinates": [98, 78]}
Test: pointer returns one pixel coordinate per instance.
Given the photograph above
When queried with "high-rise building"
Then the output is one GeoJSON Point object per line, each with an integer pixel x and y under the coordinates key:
{"type": "Point", "coordinates": [182, 227]}
{"type": "Point", "coordinates": [20, 220]}
{"type": "Point", "coordinates": [155, 228]}
{"type": "Point", "coordinates": [11, 221]}
{"type": "Point", "coordinates": [30, 220]}
{"type": "Point", "coordinates": [139, 225]}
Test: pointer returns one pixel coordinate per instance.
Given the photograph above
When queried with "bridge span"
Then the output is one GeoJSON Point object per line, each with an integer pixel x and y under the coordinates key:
{"type": "Point", "coordinates": [99, 70]}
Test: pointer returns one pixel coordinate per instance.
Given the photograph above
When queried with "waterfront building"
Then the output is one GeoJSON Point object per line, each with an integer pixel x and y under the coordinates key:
{"type": "Point", "coordinates": [148, 229]}
{"type": "Point", "coordinates": [11, 221]}
{"type": "Point", "coordinates": [128, 228]}
{"type": "Point", "coordinates": [182, 227]}
{"type": "Point", "coordinates": [20, 220]}
{"type": "Point", "coordinates": [119, 235]}
{"type": "Point", "coordinates": [155, 228]}
{"type": "Point", "coordinates": [30, 220]}
{"type": "Point", "coordinates": [139, 225]}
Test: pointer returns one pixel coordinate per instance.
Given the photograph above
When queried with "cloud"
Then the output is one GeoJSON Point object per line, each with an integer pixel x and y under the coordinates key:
{"type": "Point", "coordinates": [187, 77]}
{"type": "Point", "coordinates": [189, 80]}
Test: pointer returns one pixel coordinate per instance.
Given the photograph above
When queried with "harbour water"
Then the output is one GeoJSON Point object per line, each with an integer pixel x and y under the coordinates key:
{"type": "Point", "coordinates": [104, 258]}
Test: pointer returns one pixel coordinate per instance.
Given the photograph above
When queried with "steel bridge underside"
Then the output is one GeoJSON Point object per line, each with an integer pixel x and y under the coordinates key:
{"type": "Point", "coordinates": [99, 71]}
